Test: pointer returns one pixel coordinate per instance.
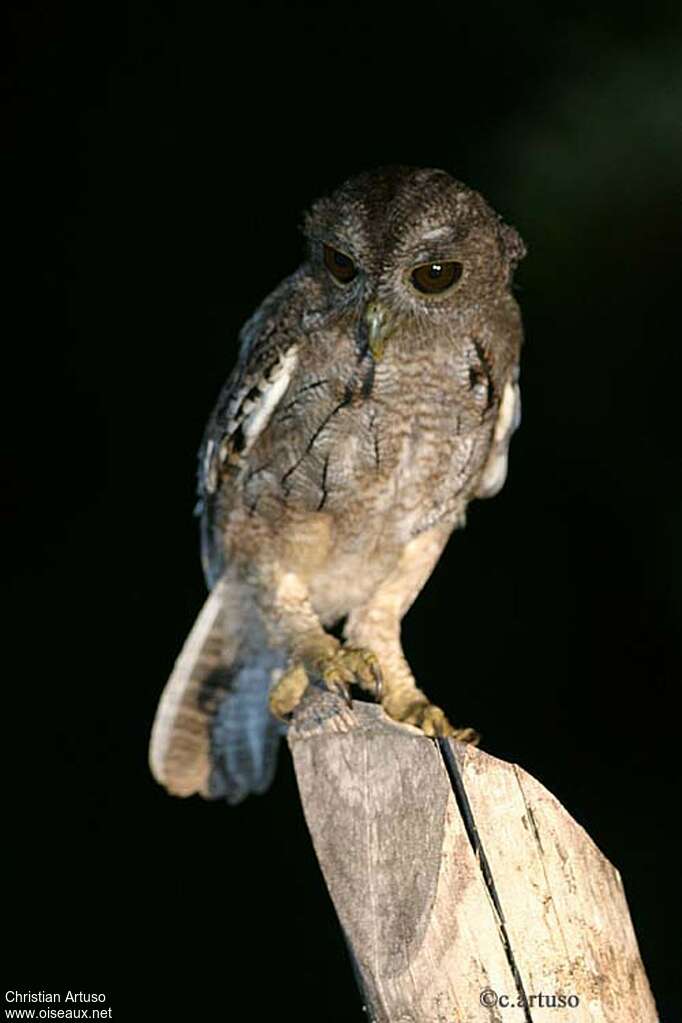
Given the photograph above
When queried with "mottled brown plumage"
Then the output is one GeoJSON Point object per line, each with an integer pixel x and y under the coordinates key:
{"type": "Point", "coordinates": [362, 417]}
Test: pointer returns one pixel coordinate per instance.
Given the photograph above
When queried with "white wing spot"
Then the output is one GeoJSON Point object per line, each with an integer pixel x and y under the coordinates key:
{"type": "Point", "coordinates": [508, 418]}
{"type": "Point", "coordinates": [209, 468]}
{"type": "Point", "coordinates": [510, 410]}
{"type": "Point", "coordinates": [207, 457]}
{"type": "Point", "coordinates": [280, 378]}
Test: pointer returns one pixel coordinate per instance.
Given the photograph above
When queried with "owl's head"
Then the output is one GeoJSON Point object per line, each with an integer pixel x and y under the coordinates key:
{"type": "Point", "coordinates": [402, 245]}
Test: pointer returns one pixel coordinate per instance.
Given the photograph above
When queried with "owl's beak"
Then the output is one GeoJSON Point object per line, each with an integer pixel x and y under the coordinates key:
{"type": "Point", "coordinates": [379, 325]}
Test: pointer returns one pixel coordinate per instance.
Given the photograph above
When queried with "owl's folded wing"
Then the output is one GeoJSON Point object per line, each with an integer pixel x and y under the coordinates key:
{"type": "Point", "coordinates": [268, 357]}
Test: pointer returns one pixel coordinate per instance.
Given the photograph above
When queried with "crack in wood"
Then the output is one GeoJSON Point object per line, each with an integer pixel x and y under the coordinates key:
{"type": "Point", "coordinates": [466, 813]}
{"type": "Point", "coordinates": [430, 899]}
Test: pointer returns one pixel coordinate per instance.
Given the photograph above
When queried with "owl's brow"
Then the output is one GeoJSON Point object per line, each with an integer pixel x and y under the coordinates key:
{"type": "Point", "coordinates": [435, 243]}
{"type": "Point", "coordinates": [447, 234]}
{"type": "Point", "coordinates": [336, 239]}
{"type": "Point", "coordinates": [444, 233]}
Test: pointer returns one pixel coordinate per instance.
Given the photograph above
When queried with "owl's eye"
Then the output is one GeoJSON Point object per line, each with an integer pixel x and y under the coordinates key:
{"type": "Point", "coordinates": [434, 277]}
{"type": "Point", "coordinates": [340, 266]}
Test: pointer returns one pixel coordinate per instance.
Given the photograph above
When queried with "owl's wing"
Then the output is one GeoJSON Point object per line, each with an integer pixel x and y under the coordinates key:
{"type": "Point", "coordinates": [268, 356]}
{"type": "Point", "coordinates": [213, 732]}
{"type": "Point", "coordinates": [508, 419]}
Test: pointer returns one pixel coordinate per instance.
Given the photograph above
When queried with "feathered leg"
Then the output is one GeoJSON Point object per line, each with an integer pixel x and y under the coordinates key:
{"type": "Point", "coordinates": [313, 653]}
{"type": "Point", "coordinates": [377, 625]}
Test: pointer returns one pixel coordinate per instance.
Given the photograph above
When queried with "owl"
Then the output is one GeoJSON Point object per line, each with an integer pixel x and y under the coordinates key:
{"type": "Point", "coordinates": [374, 396]}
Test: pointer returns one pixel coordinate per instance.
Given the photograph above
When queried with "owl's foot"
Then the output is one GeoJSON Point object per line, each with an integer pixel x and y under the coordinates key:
{"type": "Point", "coordinates": [338, 668]}
{"type": "Point", "coordinates": [416, 710]}
{"type": "Point", "coordinates": [287, 692]}
{"type": "Point", "coordinates": [350, 666]}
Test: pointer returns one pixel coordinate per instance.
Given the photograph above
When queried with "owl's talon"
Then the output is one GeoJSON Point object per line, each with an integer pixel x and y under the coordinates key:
{"type": "Point", "coordinates": [378, 686]}
{"type": "Point", "coordinates": [350, 666]}
{"type": "Point", "coordinates": [367, 670]}
{"type": "Point", "coordinates": [377, 679]}
{"type": "Point", "coordinates": [339, 688]}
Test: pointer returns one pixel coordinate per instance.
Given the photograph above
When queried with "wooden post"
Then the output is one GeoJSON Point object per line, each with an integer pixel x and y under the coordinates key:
{"type": "Point", "coordinates": [464, 889]}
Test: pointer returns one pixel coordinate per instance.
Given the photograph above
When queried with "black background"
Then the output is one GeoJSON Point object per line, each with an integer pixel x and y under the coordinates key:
{"type": "Point", "coordinates": [157, 161]}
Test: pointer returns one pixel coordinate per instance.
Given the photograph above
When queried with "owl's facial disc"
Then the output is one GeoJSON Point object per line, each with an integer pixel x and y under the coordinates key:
{"type": "Point", "coordinates": [379, 324]}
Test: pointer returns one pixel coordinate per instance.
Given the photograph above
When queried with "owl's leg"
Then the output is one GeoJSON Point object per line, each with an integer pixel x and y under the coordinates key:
{"type": "Point", "coordinates": [376, 625]}
{"type": "Point", "coordinates": [292, 623]}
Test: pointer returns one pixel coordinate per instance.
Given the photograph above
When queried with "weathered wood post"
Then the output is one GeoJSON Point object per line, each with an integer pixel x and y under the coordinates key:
{"type": "Point", "coordinates": [465, 890]}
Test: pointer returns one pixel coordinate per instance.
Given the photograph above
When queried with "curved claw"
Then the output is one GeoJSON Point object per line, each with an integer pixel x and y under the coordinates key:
{"type": "Point", "coordinates": [340, 689]}
{"type": "Point", "coordinates": [350, 666]}
{"type": "Point", "coordinates": [366, 668]}
{"type": "Point", "coordinates": [378, 682]}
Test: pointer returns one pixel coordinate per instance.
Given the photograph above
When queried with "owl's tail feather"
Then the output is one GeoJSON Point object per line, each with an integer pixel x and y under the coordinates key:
{"type": "Point", "coordinates": [213, 733]}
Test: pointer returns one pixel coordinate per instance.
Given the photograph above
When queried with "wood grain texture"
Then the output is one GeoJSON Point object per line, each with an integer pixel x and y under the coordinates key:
{"type": "Point", "coordinates": [428, 927]}
{"type": "Point", "coordinates": [564, 903]}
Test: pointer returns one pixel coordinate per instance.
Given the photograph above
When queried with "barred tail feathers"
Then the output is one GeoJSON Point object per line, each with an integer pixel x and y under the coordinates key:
{"type": "Point", "coordinates": [213, 733]}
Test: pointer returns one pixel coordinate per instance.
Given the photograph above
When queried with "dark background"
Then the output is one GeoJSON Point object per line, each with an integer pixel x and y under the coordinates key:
{"type": "Point", "coordinates": [157, 161]}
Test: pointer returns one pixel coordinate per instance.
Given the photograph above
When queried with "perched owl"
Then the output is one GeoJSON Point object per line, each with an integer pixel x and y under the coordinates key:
{"type": "Point", "coordinates": [374, 396]}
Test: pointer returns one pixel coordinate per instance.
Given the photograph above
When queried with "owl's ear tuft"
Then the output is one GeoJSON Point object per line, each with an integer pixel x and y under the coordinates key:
{"type": "Point", "coordinates": [512, 243]}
